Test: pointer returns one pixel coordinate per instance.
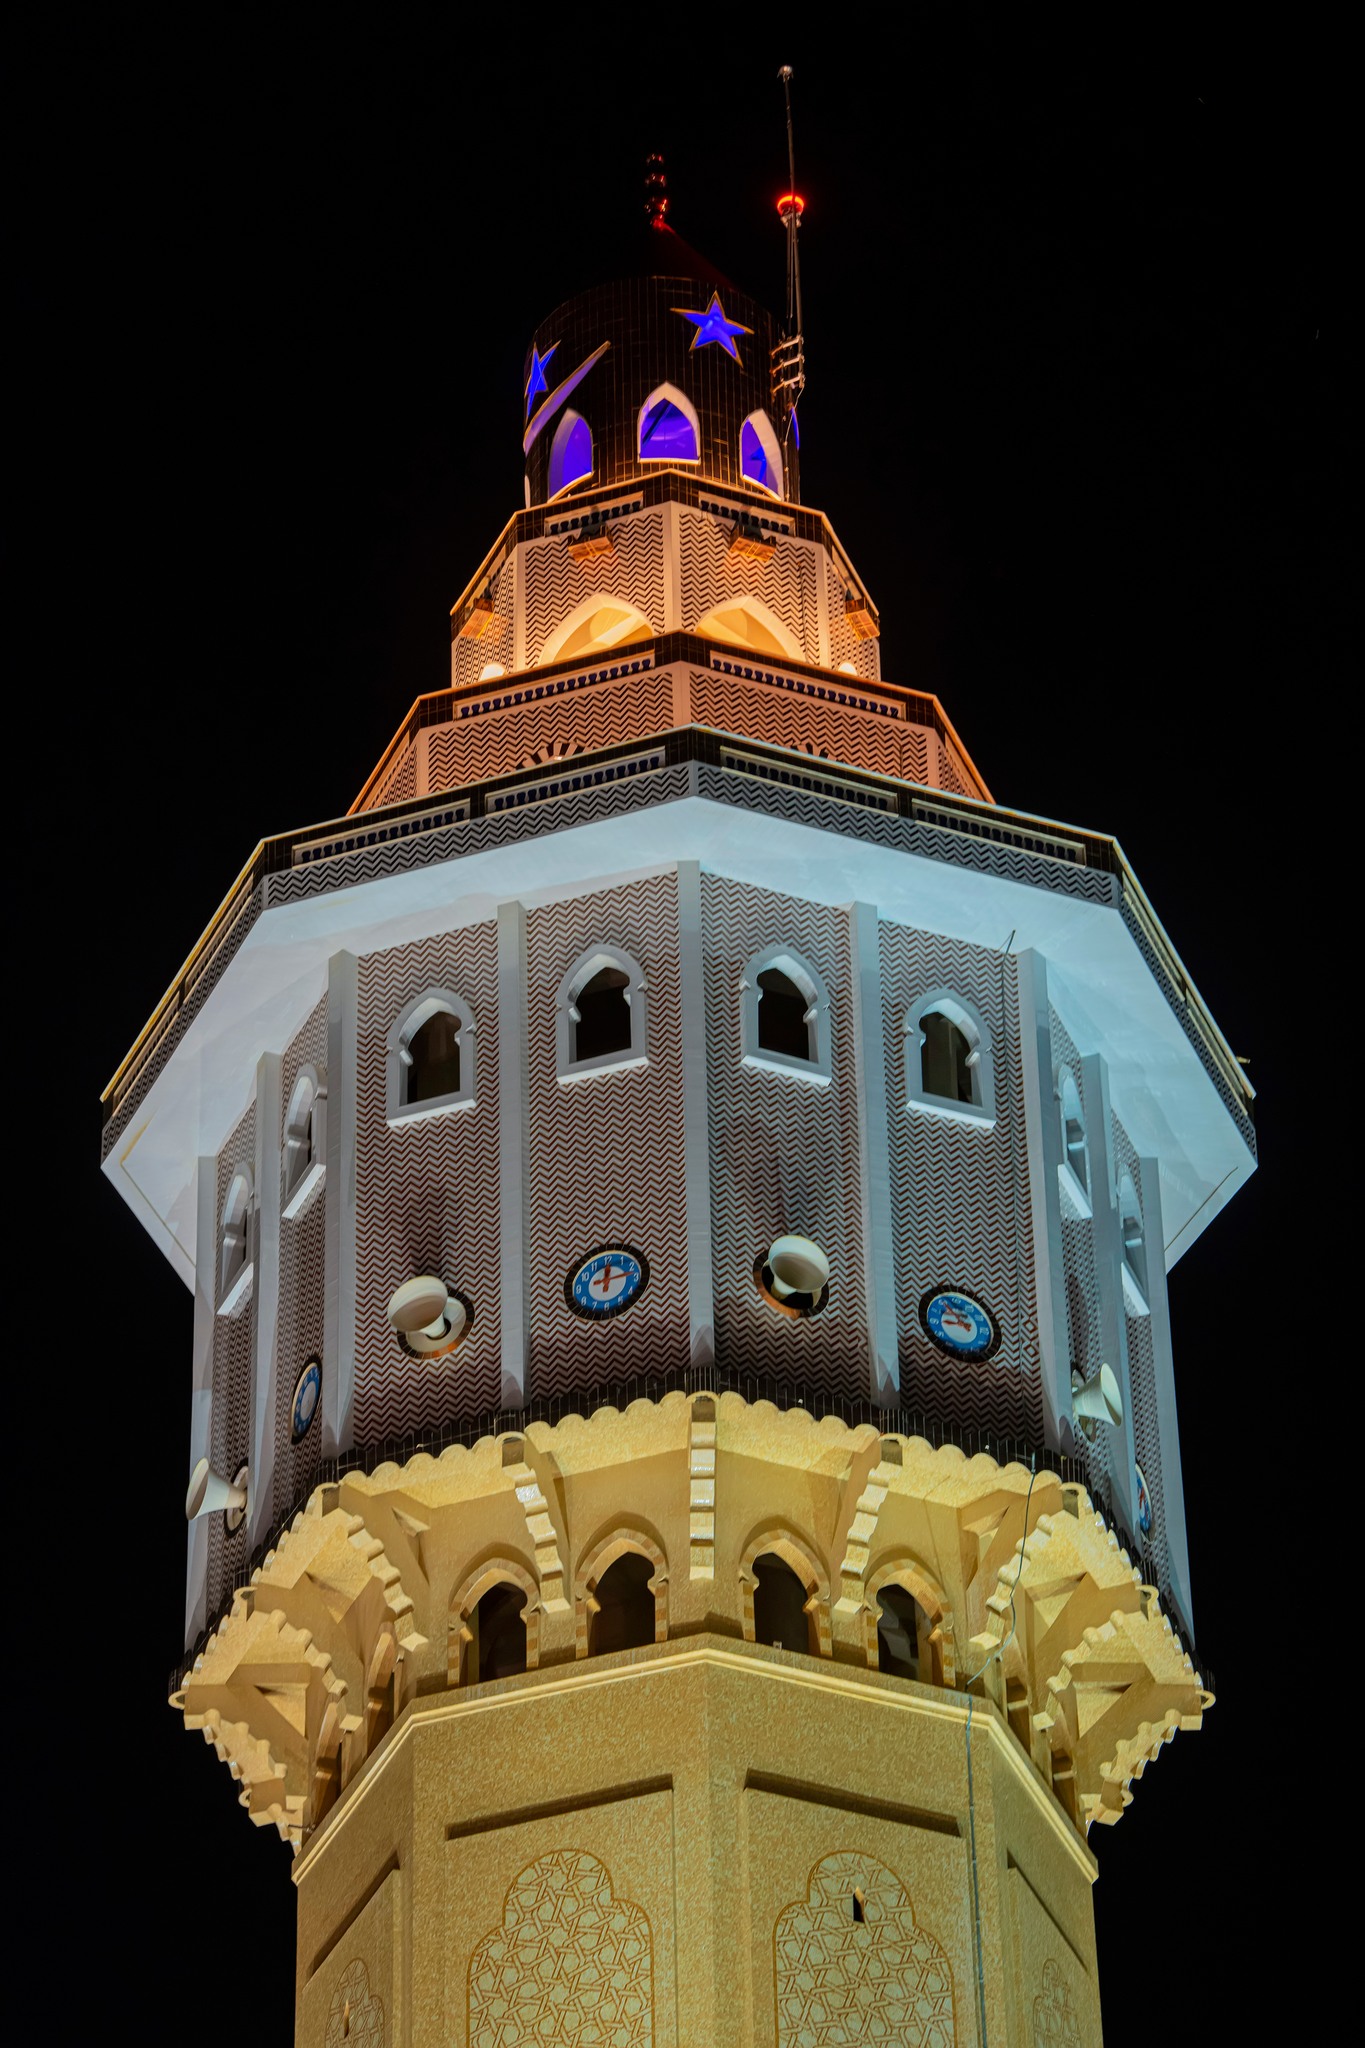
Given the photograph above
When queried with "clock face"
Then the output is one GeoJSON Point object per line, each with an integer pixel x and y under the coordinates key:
{"type": "Point", "coordinates": [959, 1324]}
{"type": "Point", "coordinates": [1144, 1503]}
{"type": "Point", "coordinates": [307, 1394]}
{"type": "Point", "coordinates": [606, 1281]}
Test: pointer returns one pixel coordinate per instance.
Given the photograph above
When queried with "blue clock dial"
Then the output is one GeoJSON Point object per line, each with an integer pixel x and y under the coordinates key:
{"type": "Point", "coordinates": [959, 1324]}
{"type": "Point", "coordinates": [1144, 1503]}
{"type": "Point", "coordinates": [307, 1394]}
{"type": "Point", "coordinates": [607, 1281]}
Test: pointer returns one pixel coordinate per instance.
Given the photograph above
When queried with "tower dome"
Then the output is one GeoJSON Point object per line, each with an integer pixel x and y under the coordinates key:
{"type": "Point", "coordinates": [668, 366]}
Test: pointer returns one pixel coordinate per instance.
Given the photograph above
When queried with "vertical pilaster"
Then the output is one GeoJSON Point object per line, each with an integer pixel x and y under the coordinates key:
{"type": "Point", "coordinates": [1163, 1358]}
{"type": "Point", "coordinates": [201, 1387]}
{"type": "Point", "coordinates": [874, 1153]}
{"type": "Point", "coordinates": [672, 566]}
{"type": "Point", "coordinates": [514, 1154]}
{"type": "Point", "coordinates": [1109, 1281]}
{"type": "Point", "coordinates": [339, 1299]}
{"type": "Point", "coordinates": [265, 1298]}
{"type": "Point", "coordinates": [1042, 1129]}
{"type": "Point", "coordinates": [822, 606]}
{"type": "Point", "coordinates": [696, 1119]}
{"type": "Point", "coordinates": [516, 571]}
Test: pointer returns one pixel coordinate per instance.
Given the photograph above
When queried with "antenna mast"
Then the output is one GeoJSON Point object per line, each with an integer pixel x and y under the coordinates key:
{"type": "Point", "coordinates": [789, 366]}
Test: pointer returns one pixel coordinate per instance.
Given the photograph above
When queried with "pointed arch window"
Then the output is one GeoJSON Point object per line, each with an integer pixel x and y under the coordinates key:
{"type": "Point", "coordinates": [1132, 1249]}
{"type": "Point", "coordinates": [601, 1014]}
{"type": "Point", "coordinates": [949, 1066]}
{"type": "Point", "coordinates": [760, 457]}
{"type": "Point", "coordinates": [236, 1266]}
{"type": "Point", "coordinates": [781, 1603]}
{"type": "Point", "coordinates": [431, 1057]}
{"type": "Point", "coordinates": [570, 454]}
{"type": "Point", "coordinates": [784, 1018]}
{"type": "Point", "coordinates": [668, 429]}
{"type": "Point", "coordinates": [1073, 1171]}
{"type": "Point", "coordinates": [305, 1141]}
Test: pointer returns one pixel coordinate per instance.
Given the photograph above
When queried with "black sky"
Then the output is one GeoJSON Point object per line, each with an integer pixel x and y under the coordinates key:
{"type": "Point", "coordinates": [1075, 409]}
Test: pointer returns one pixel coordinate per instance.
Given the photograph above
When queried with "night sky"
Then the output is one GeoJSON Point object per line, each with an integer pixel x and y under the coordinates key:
{"type": "Point", "coordinates": [1074, 408]}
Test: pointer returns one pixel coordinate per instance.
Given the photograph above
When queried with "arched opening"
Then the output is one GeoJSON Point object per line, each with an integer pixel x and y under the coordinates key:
{"type": "Point", "coordinates": [780, 1617]}
{"type": "Point", "coordinates": [785, 1016]}
{"type": "Point", "coordinates": [600, 1012]}
{"type": "Point", "coordinates": [431, 1055]}
{"type": "Point", "coordinates": [593, 626]}
{"type": "Point", "coordinates": [235, 1249]}
{"type": "Point", "coordinates": [1075, 1161]}
{"type": "Point", "coordinates": [948, 1064]}
{"type": "Point", "coordinates": [600, 1015]}
{"type": "Point", "coordinates": [747, 622]}
{"type": "Point", "coordinates": [381, 1692]}
{"type": "Point", "coordinates": [760, 458]}
{"type": "Point", "coordinates": [945, 1058]}
{"type": "Point", "coordinates": [624, 1604]}
{"type": "Point", "coordinates": [1133, 1242]}
{"type": "Point", "coordinates": [570, 453]}
{"type": "Point", "coordinates": [901, 1629]}
{"type": "Point", "coordinates": [668, 427]}
{"type": "Point", "coordinates": [497, 1635]}
{"type": "Point", "coordinates": [434, 1058]}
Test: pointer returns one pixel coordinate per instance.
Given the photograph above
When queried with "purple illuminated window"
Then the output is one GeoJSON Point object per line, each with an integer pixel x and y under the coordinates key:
{"type": "Point", "coordinates": [570, 453]}
{"type": "Point", "coordinates": [667, 434]}
{"type": "Point", "coordinates": [759, 457]}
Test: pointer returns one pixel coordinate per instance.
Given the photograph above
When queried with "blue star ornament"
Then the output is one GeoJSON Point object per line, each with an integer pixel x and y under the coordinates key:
{"type": "Point", "coordinates": [536, 383]}
{"type": "Point", "coordinates": [712, 325]}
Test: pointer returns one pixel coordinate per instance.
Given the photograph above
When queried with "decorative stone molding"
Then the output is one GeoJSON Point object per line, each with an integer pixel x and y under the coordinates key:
{"type": "Point", "coordinates": [329, 1643]}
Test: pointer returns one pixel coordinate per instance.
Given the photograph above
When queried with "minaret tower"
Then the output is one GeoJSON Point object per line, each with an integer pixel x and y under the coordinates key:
{"type": "Point", "coordinates": [678, 1185]}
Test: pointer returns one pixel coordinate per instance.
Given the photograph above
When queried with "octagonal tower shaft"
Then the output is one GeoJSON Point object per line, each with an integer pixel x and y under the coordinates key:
{"type": "Point", "coordinates": [678, 1633]}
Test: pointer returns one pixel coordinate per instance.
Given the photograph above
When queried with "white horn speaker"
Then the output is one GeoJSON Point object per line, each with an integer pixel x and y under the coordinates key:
{"type": "Point", "coordinates": [428, 1318]}
{"type": "Point", "coordinates": [1097, 1400]}
{"type": "Point", "coordinates": [209, 1491]}
{"type": "Point", "coordinates": [797, 1266]}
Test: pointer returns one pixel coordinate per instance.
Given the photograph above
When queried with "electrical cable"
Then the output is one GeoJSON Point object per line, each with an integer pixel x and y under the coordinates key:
{"type": "Point", "coordinates": [998, 1651]}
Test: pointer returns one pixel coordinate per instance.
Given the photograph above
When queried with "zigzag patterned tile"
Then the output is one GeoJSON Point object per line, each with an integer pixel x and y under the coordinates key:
{"type": "Point", "coordinates": [302, 1285]}
{"type": "Point", "coordinates": [364, 864]}
{"type": "Point", "coordinates": [469, 658]}
{"type": "Point", "coordinates": [556, 583]}
{"type": "Point", "coordinates": [784, 1153]}
{"type": "Point", "coordinates": [606, 1152]}
{"type": "Point", "coordinates": [234, 1360]}
{"type": "Point", "coordinates": [426, 1193]}
{"type": "Point", "coordinates": [785, 582]}
{"type": "Point", "coordinates": [844, 644]}
{"type": "Point", "coordinates": [960, 1195]}
{"type": "Point", "coordinates": [401, 780]}
{"type": "Point", "coordinates": [610, 714]}
{"type": "Point", "coordinates": [783, 719]}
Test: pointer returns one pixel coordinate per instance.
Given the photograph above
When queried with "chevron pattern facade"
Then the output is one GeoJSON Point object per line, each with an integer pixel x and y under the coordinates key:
{"type": "Point", "coordinates": [606, 1151]}
{"type": "Point", "coordinates": [960, 1194]}
{"type": "Point", "coordinates": [844, 644]}
{"type": "Point", "coordinates": [302, 1264]}
{"type": "Point", "coordinates": [785, 582]}
{"type": "Point", "coordinates": [426, 1193]}
{"type": "Point", "coordinates": [234, 1356]}
{"type": "Point", "coordinates": [608, 714]}
{"type": "Point", "coordinates": [632, 571]}
{"type": "Point", "coordinates": [468, 657]}
{"type": "Point", "coordinates": [784, 1150]}
{"type": "Point", "coordinates": [784, 719]}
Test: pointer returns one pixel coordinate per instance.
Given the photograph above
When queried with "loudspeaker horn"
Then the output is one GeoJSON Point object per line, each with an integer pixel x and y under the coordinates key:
{"type": "Point", "coordinates": [428, 1317]}
{"type": "Point", "coordinates": [208, 1491]}
{"type": "Point", "coordinates": [797, 1266]}
{"type": "Point", "coordinates": [1096, 1400]}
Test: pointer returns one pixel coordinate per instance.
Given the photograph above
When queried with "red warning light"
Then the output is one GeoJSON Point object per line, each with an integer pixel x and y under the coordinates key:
{"type": "Point", "coordinates": [789, 203]}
